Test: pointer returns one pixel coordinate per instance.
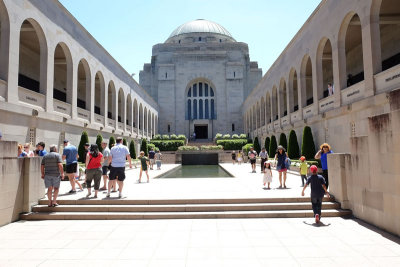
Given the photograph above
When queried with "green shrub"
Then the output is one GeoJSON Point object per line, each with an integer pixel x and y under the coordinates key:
{"type": "Point", "coordinates": [218, 136]}
{"type": "Point", "coordinates": [257, 146]}
{"type": "Point", "coordinates": [308, 146]}
{"type": "Point", "coordinates": [181, 137]}
{"type": "Point", "coordinates": [188, 148]}
{"type": "Point", "coordinates": [157, 137]}
{"type": "Point", "coordinates": [111, 143]}
{"type": "Point", "coordinates": [99, 139]}
{"type": "Point", "coordinates": [243, 136]}
{"type": "Point", "coordinates": [124, 142]}
{"type": "Point", "coordinates": [173, 137]}
{"type": "Point", "coordinates": [226, 136]}
{"type": "Point", "coordinates": [272, 147]}
{"type": "Point", "coordinates": [283, 141]}
{"type": "Point", "coordinates": [235, 136]}
{"type": "Point", "coordinates": [168, 145]}
{"type": "Point", "coordinates": [165, 137]}
{"type": "Point", "coordinates": [293, 146]}
{"type": "Point", "coordinates": [211, 148]}
{"type": "Point", "coordinates": [266, 144]}
{"type": "Point", "coordinates": [144, 148]}
{"type": "Point", "coordinates": [132, 149]}
{"type": "Point", "coordinates": [81, 147]}
{"type": "Point", "coordinates": [232, 144]}
{"type": "Point", "coordinates": [246, 149]}
{"type": "Point", "coordinates": [249, 141]}
{"type": "Point", "coordinates": [151, 146]}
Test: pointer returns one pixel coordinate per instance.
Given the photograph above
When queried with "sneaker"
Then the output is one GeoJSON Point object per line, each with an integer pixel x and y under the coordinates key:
{"type": "Point", "coordinates": [72, 192]}
{"type": "Point", "coordinates": [108, 195]}
{"type": "Point", "coordinates": [317, 218]}
{"type": "Point", "coordinates": [120, 195]}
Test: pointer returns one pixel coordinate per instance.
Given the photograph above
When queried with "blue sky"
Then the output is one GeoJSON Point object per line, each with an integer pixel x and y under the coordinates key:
{"type": "Point", "coordinates": [128, 29]}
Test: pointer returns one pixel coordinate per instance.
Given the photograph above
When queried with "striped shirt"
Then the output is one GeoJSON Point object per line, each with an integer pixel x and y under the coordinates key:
{"type": "Point", "coordinates": [50, 162]}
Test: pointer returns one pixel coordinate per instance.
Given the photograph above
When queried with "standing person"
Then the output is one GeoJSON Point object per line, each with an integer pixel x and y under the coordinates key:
{"type": "Point", "coordinates": [70, 155]}
{"type": "Point", "coordinates": [252, 156]}
{"type": "Point", "coordinates": [239, 157]}
{"type": "Point", "coordinates": [27, 149]}
{"type": "Point", "coordinates": [194, 136]}
{"type": "Point", "coordinates": [106, 165]}
{"type": "Point", "coordinates": [303, 170]}
{"type": "Point", "coordinates": [94, 160]}
{"type": "Point", "coordinates": [281, 156]}
{"type": "Point", "coordinates": [151, 157]}
{"type": "Point", "coordinates": [318, 189]}
{"type": "Point", "coordinates": [21, 152]}
{"type": "Point", "coordinates": [52, 172]}
{"type": "Point", "coordinates": [322, 154]}
{"type": "Point", "coordinates": [267, 174]}
{"type": "Point", "coordinates": [331, 89]}
{"type": "Point", "coordinates": [40, 151]}
{"type": "Point", "coordinates": [264, 158]}
{"type": "Point", "coordinates": [118, 156]}
{"type": "Point", "coordinates": [144, 162]}
{"type": "Point", "coordinates": [233, 157]}
{"type": "Point", "coordinates": [158, 159]}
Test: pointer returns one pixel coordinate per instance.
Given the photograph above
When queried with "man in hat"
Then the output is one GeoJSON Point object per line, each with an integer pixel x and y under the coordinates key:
{"type": "Point", "coordinates": [70, 155]}
{"type": "Point", "coordinates": [318, 189]}
{"type": "Point", "coordinates": [322, 154]}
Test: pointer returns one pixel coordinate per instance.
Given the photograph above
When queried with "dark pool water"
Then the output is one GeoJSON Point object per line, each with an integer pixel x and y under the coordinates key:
{"type": "Point", "coordinates": [197, 171]}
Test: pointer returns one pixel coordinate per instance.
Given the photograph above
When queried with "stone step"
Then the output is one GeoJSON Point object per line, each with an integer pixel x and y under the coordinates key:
{"type": "Point", "coordinates": [179, 215]}
{"type": "Point", "coordinates": [183, 208]}
{"type": "Point", "coordinates": [117, 201]}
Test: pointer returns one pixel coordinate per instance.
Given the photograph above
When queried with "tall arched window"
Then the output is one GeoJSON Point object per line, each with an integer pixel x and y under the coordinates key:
{"type": "Point", "coordinates": [200, 102]}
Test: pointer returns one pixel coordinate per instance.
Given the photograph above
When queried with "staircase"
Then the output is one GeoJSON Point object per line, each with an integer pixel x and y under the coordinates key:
{"type": "Point", "coordinates": [124, 209]}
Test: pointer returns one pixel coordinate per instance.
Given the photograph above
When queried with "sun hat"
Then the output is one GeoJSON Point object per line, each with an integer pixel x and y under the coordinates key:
{"type": "Point", "coordinates": [325, 144]}
{"type": "Point", "coordinates": [281, 147]}
{"type": "Point", "coordinates": [313, 169]}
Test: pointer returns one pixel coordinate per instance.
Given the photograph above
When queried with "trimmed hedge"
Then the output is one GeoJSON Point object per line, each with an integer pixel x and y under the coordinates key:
{"type": "Point", "coordinates": [81, 147]}
{"type": "Point", "coordinates": [132, 149]}
{"type": "Point", "coordinates": [246, 149]}
{"type": "Point", "coordinates": [111, 143]}
{"type": "Point", "coordinates": [308, 146]}
{"type": "Point", "coordinates": [293, 147]}
{"type": "Point", "coordinates": [283, 141]}
{"type": "Point", "coordinates": [99, 139]}
{"type": "Point", "coordinates": [188, 148]}
{"type": "Point", "coordinates": [169, 137]}
{"type": "Point", "coordinates": [272, 147]}
{"type": "Point", "coordinates": [257, 146]}
{"type": "Point", "coordinates": [232, 144]}
{"type": "Point", "coordinates": [124, 142]}
{"type": "Point", "coordinates": [144, 147]}
{"type": "Point", "coordinates": [168, 145]}
{"type": "Point", "coordinates": [211, 148]}
{"type": "Point", "coordinates": [266, 144]}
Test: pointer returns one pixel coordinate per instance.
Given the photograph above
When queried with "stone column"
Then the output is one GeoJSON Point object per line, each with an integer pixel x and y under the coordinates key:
{"type": "Point", "coordinates": [105, 104]}
{"type": "Point", "coordinates": [5, 49]}
{"type": "Point", "coordinates": [288, 106]}
{"type": "Point", "coordinates": [315, 85]}
{"type": "Point", "coordinates": [47, 75]}
{"type": "Point", "coordinates": [13, 63]}
{"type": "Point", "coordinates": [338, 63]}
{"type": "Point", "coordinates": [74, 102]}
{"type": "Point", "coordinates": [300, 98]}
{"type": "Point", "coordinates": [90, 86]}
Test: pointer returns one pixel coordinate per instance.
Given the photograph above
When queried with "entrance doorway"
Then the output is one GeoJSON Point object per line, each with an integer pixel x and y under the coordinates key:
{"type": "Point", "coordinates": [201, 131]}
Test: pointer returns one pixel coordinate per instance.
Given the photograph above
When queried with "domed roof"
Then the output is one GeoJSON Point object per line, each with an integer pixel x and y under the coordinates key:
{"type": "Point", "coordinates": [200, 26]}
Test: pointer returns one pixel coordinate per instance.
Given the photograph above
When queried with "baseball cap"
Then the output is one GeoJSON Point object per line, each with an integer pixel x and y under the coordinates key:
{"type": "Point", "coordinates": [313, 169]}
{"type": "Point", "coordinates": [65, 141]}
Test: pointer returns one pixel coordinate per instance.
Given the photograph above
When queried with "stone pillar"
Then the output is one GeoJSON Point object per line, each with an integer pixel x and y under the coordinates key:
{"type": "Point", "coordinates": [315, 84]}
{"type": "Point", "coordinates": [74, 103]}
{"type": "Point", "coordinates": [300, 95]}
{"type": "Point", "coordinates": [288, 94]}
{"type": "Point", "coordinates": [123, 115]}
{"type": "Point", "coordinates": [13, 63]}
{"type": "Point", "coordinates": [33, 184]}
{"type": "Point", "coordinates": [48, 72]}
{"type": "Point", "coordinates": [5, 48]}
{"type": "Point", "coordinates": [337, 178]}
{"type": "Point", "coordinates": [338, 63]}
{"type": "Point", "coordinates": [90, 86]}
{"type": "Point", "coordinates": [105, 104]}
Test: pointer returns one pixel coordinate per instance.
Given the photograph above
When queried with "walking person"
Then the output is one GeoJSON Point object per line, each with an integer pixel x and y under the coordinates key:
{"type": "Point", "coordinates": [240, 157]}
{"type": "Point", "coordinates": [70, 155]}
{"type": "Point", "coordinates": [106, 165]}
{"type": "Point", "coordinates": [281, 156]}
{"type": "Point", "coordinates": [264, 158]}
{"type": "Point", "coordinates": [144, 162]}
{"type": "Point", "coordinates": [322, 154]}
{"type": "Point", "coordinates": [318, 189]}
{"type": "Point", "coordinates": [267, 174]}
{"type": "Point", "coordinates": [253, 157]}
{"type": "Point", "coordinates": [52, 172]}
{"type": "Point", "coordinates": [118, 156]}
{"type": "Point", "coordinates": [303, 170]}
{"type": "Point", "coordinates": [28, 151]}
{"type": "Point", "coordinates": [94, 160]}
{"type": "Point", "coordinates": [233, 157]}
{"type": "Point", "coordinates": [158, 158]}
{"type": "Point", "coordinates": [151, 158]}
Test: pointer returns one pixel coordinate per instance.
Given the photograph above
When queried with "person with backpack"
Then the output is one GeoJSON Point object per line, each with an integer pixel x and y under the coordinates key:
{"type": "Point", "coordinates": [94, 160]}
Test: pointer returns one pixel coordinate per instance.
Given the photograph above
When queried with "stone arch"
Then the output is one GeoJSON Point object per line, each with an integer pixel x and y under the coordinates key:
{"type": "Point", "coordinates": [33, 52]}
{"type": "Point", "coordinates": [135, 114]}
{"type": "Point", "coordinates": [263, 123]}
{"type": "Point", "coordinates": [283, 98]}
{"type": "Point", "coordinates": [129, 110]}
{"type": "Point", "coordinates": [121, 105]}
{"type": "Point", "coordinates": [324, 68]}
{"type": "Point", "coordinates": [83, 87]}
{"type": "Point", "coordinates": [200, 100]}
{"type": "Point", "coordinates": [112, 112]}
{"type": "Point", "coordinates": [4, 41]}
{"type": "Point", "coordinates": [306, 77]}
{"type": "Point", "coordinates": [294, 91]}
{"type": "Point", "coordinates": [99, 94]}
{"type": "Point", "coordinates": [62, 82]}
{"type": "Point", "coordinates": [141, 117]}
{"type": "Point", "coordinates": [145, 121]}
{"type": "Point", "coordinates": [258, 115]}
{"type": "Point", "coordinates": [351, 50]}
{"type": "Point", "coordinates": [268, 108]}
{"type": "Point", "coordinates": [274, 103]}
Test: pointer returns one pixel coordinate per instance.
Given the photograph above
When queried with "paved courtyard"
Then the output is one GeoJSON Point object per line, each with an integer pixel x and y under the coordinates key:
{"type": "Point", "coordinates": [196, 242]}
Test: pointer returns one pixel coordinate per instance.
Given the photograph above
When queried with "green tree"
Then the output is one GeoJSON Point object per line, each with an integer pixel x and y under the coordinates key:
{"type": "Point", "coordinates": [99, 139]}
{"type": "Point", "coordinates": [272, 146]}
{"type": "Point", "coordinates": [81, 147]}
{"type": "Point", "coordinates": [143, 147]}
{"type": "Point", "coordinates": [132, 149]}
{"type": "Point", "coordinates": [293, 147]}
{"type": "Point", "coordinates": [111, 143]}
{"type": "Point", "coordinates": [124, 142]}
{"type": "Point", "coordinates": [283, 141]}
{"type": "Point", "coordinates": [266, 144]}
{"type": "Point", "coordinates": [308, 146]}
{"type": "Point", "coordinates": [257, 145]}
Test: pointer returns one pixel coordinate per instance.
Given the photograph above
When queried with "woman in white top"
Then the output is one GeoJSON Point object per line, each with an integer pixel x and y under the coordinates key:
{"type": "Point", "coordinates": [267, 174]}
{"type": "Point", "coordinates": [27, 149]}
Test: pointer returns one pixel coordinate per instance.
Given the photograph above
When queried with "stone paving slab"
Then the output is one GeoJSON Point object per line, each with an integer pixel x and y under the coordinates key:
{"type": "Point", "coordinates": [244, 185]}
{"type": "Point", "coordinates": [210, 242]}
